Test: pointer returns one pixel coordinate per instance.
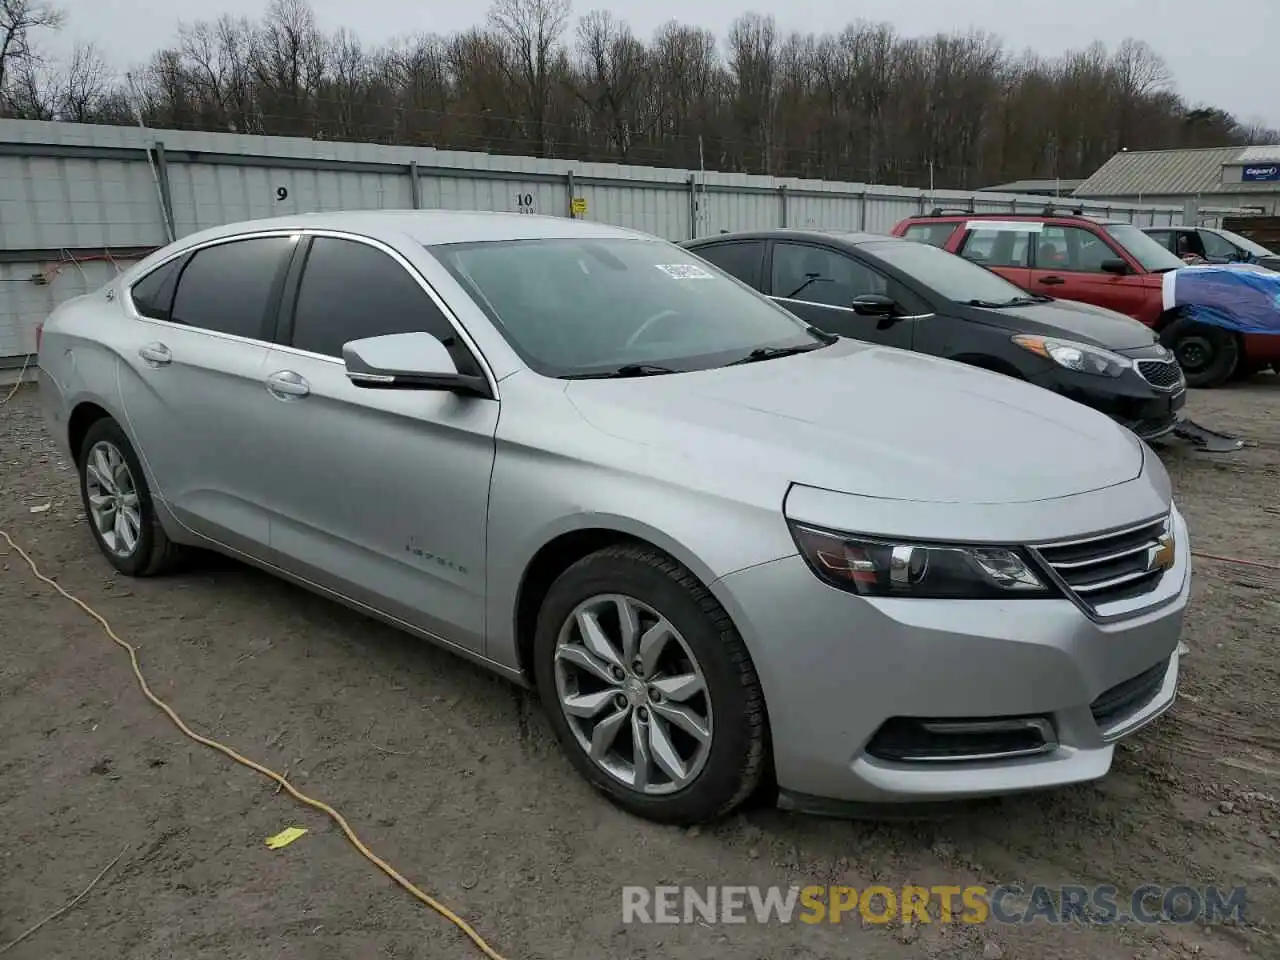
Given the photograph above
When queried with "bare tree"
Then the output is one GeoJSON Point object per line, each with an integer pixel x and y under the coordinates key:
{"type": "Point", "coordinates": [530, 32]}
{"type": "Point", "coordinates": [19, 19]}
{"type": "Point", "coordinates": [954, 109]}
{"type": "Point", "coordinates": [612, 69]}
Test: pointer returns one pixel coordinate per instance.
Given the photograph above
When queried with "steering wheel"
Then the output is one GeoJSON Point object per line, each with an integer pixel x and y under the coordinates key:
{"type": "Point", "coordinates": [649, 322]}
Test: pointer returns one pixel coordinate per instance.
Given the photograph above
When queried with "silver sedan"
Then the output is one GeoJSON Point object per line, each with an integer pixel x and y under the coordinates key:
{"type": "Point", "coordinates": [726, 549]}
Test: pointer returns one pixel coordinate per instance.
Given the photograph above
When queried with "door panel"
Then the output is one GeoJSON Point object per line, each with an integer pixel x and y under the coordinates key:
{"type": "Point", "coordinates": [196, 420]}
{"type": "Point", "coordinates": [818, 285]}
{"type": "Point", "coordinates": [1068, 265]}
{"type": "Point", "coordinates": [381, 494]}
{"type": "Point", "coordinates": [190, 383]}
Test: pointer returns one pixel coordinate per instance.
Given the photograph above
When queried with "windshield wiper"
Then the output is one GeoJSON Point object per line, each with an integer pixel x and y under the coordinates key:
{"type": "Point", "coordinates": [1011, 302]}
{"type": "Point", "coordinates": [771, 353]}
{"type": "Point", "coordinates": [626, 370]}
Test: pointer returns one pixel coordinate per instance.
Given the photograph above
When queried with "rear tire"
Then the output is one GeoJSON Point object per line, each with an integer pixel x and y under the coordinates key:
{"type": "Point", "coordinates": [1208, 355]}
{"type": "Point", "coordinates": [604, 701]}
{"type": "Point", "coordinates": [118, 504]}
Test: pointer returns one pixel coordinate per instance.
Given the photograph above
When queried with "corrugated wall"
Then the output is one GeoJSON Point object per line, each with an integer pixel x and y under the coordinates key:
{"type": "Point", "coordinates": [78, 201]}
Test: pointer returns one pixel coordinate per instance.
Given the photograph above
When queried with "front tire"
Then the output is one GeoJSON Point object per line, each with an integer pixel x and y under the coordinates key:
{"type": "Point", "coordinates": [649, 687]}
{"type": "Point", "coordinates": [118, 504]}
{"type": "Point", "coordinates": [1208, 355]}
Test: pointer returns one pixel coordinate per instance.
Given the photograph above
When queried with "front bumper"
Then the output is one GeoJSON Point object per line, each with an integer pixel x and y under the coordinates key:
{"type": "Point", "coordinates": [1130, 400]}
{"type": "Point", "coordinates": [836, 668]}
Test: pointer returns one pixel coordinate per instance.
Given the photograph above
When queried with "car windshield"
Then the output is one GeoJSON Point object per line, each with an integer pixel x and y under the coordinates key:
{"type": "Point", "coordinates": [1153, 255]}
{"type": "Point", "coordinates": [1244, 243]}
{"type": "Point", "coordinates": [950, 276]}
{"type": "Point", "coordinates": [592, 306]}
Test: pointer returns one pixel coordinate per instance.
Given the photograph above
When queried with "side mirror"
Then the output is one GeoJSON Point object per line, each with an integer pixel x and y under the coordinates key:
{"type": "Point", "coordinates": [874, 305]}
{"type": "Point", "coordinates": [406, 361]}
{"type": "Point", "coordinates": [1116, 266]}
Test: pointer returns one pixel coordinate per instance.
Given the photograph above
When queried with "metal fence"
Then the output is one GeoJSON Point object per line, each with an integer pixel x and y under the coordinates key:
{"type": "Point", "coordinates": [79, 201]}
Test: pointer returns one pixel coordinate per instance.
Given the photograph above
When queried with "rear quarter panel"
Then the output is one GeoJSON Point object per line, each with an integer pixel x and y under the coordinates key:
{"type": "Point", "coordinates": [77, 361]}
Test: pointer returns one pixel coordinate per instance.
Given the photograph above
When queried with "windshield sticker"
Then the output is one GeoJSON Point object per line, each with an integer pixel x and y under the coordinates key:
{"type": "Point", "coordinates": [685, 271]}
{"type": "Point", "coordinates": [1006, 226]}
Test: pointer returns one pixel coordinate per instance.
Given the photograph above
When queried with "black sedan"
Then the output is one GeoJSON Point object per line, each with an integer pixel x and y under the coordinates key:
{"type": "Point", "coordinates": [917, 297]}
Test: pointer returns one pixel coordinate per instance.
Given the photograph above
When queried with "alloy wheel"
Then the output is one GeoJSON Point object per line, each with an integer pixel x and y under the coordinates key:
{"type": "Point", "coordinates": [113, 499]}
{"type": "Point", "coordinates": [633, 694]}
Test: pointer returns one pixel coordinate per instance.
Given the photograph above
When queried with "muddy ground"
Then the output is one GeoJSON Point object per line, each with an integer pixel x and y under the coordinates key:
{"type": "Point", "coordinates": [452, 775]}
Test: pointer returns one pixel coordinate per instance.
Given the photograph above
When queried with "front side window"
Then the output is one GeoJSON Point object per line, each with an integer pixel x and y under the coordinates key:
{"type": "Point", "coordinates": [1245, 244]}
{"type": "Point", "coordinates": [1216, 247]}
{"type": "Point", "coordinates": [1073, 249]}
{"type": "Point", "coordinates": [816, 275]}
{"type": "Point", "coordinates": [351, 290]}
{"type": "Point", "coordinates": [1142, 248]}
{"type": "Point", "coordinates": [741, 259]}
{"type": "Point", "coordinates": [573, 307]}
{"type": "Point", "coordinates": [232, 287]}
{"type": "Point", "coordinates": [934, 234]}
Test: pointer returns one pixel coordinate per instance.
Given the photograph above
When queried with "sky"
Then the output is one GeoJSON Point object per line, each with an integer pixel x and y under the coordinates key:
{"type": "Point", "coordinates": [1223, 61]}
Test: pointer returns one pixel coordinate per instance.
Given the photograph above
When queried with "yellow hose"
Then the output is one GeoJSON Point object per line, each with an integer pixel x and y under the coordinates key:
{"type": "Point", "coordinates": [267, 772]}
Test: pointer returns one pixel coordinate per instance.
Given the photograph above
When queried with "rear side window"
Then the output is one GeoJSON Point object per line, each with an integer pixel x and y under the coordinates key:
{"type": "Point", "coordinates": [934, 234]}
{"type": "Point", "coordinates": [1162, 237]}
{"type": "Point", "coordinates": [351, 290]}
{"type": "Point", "coordinates": [233, 287]}
{"type": "Point", "coordinates": [741, 259]}
{"type": "Point", "coordinates": [997, 248]}
{"type": "Point", "coordinates": [153, 294]}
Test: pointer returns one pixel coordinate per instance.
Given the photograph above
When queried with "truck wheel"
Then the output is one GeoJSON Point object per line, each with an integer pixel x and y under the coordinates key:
{"type": "Point", "coordinates": [1208, 355]}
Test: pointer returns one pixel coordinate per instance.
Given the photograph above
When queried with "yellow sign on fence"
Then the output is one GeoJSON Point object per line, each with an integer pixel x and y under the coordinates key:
{"type": "Point", "coordinates": [578, 205]}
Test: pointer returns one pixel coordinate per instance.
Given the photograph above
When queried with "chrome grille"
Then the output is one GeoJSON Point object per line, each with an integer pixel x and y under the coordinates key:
{"type": "Point", "coordinates": [1165, 374]}
{"type": "Point", "coordinates": [1113, 568]}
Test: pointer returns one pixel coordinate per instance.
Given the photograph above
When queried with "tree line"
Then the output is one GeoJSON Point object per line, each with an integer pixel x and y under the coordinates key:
{"type": "Point", "coordinates": [865, 104]}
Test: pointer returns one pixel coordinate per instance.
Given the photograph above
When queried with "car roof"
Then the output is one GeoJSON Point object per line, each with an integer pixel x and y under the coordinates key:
{"type": "Point", "coordinates": [847, 237]}
{"type": "Point", "coordinates": [430, 226]}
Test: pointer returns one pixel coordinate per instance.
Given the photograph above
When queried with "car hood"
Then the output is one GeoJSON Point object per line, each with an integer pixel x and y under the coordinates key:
{"type": "Point", "coordinates": [867, 420]}
{"type": "Point", "coordinates": [1074, 321]}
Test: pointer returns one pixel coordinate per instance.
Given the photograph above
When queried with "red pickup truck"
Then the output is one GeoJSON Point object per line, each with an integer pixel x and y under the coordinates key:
{"type": "Point", "coordinates": [1108, 263]}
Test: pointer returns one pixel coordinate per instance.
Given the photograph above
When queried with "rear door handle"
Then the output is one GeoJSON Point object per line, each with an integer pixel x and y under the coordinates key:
{"type": "Point", "coordinates": [156, 354]}
{"type": "Point", "coordinates": [287, 385]}
{"type": "Point", "coordinates": [1051, 281]}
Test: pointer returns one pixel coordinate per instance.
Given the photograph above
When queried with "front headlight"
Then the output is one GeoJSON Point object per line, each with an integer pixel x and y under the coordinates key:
{"type": "Point", "coordinates": [876, 567]}
{"type": "Point", "coordinates": [1080, 357]}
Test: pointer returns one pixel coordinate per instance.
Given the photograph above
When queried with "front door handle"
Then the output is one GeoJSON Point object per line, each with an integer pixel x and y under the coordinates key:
{"type": "Point", "coordinates": [287, 385]}
{"type": "Point", "coordinates": [156, 354]}
{"type": "Point", "coordinates": [1051, 281]}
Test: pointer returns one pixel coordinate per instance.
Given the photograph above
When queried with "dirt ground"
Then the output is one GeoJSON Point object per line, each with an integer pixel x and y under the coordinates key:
{"type": "Point", "coordinates": [452, 775]}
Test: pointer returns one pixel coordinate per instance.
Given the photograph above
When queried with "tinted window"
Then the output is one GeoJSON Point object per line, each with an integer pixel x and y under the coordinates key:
{"type": "Point", "coordinates": [1217, 247]}
{"type": "Point", "coordinates": [153, 294]}
{"type": "Point", "coordinates": [1162, 237]}
{"type": "Point", "coordinates": [998, 248]}
{"type": "Point", "coordinates": [740, 259]}
{"type": "Point", "coordinates": [934, 234]}
{"type": "Point", "coordinates": [573, 307]}
{"type": "Point", "coordinates": [230, 287]}
{"type": "Point", "coordinates": [948, 275]}
{"type": "Point", "coordinates": [351, 290]}
{"type": "Point", "coordinates": [816, 275]}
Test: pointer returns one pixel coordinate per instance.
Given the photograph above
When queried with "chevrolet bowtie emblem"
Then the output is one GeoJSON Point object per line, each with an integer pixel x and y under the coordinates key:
{"type": "Point", "coordinates": [1161, 556]}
